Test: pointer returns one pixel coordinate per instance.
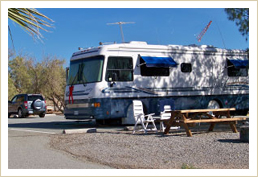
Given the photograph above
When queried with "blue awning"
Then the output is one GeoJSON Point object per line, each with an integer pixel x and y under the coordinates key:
{"type": "Point", "coordinates": [239, 63]}
{"type": "Point", "coordinates": [159, 61]}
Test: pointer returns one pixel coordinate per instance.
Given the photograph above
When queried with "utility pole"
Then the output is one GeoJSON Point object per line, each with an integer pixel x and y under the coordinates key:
{"type": "Point", "coordinates": [121, 29]}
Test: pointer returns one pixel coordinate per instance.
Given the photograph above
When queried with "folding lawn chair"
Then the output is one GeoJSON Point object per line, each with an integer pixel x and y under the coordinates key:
{"type": "Point", "coordinates": [166, 116]}
{"type": "Point", "coordinates": [142, 119]}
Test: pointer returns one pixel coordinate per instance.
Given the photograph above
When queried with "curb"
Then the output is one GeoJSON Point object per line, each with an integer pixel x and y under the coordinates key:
{"type": "Point", "coordinates": [75, 131]}
{"type": "Point", "coordinates": [50, 114]}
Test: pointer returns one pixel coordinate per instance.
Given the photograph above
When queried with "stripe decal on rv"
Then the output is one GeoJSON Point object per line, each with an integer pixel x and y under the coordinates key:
{"type": "Point", "coordinates": [158, 91]}
{"type": "Point", "coordinates": [78, 93]}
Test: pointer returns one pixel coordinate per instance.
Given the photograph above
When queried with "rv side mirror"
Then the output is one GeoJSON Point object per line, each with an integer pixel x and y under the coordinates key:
{"type": "Point", "coordinates": [112, 79]}
{"type": "Point", "coordinates": [67, 73]}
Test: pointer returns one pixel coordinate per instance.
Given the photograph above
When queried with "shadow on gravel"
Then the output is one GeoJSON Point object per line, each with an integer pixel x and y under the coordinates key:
{"type": "Point", "coordinates": [19, 118]}
{"type": "Point", "coordinates": [52, 125]}
{"type": "Point", "coordinates": [231, 141]}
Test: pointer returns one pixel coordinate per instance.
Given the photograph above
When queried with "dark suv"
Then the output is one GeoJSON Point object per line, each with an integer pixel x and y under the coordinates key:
{"type": "Point", "coordinates": [26, 104]}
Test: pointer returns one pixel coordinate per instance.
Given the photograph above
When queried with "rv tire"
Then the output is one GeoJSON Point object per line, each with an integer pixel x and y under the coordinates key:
{"type": "Point", "coordinates": [129, 119]}
{"type": "Point", "coordinates": [213, 104]}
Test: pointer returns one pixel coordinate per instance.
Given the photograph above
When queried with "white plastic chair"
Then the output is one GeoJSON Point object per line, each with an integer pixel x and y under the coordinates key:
{"type": "Point", "coordinates": [140, 118]}
{"type": "Point", "coordinates": [166, 116]}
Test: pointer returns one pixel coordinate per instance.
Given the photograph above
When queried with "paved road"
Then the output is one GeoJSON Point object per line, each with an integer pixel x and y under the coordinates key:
{"type": "Point", "coordinates": [28, 144]}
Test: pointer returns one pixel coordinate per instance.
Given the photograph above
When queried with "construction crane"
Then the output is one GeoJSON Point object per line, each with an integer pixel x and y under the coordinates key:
{"type": "Point", "coordinates": [199, 37]}
{"type": "Point", "coordinates": [120, 25]}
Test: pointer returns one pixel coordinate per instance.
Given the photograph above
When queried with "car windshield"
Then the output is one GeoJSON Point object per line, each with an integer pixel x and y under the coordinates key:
{"type": "Point", "coordinates": [85, 70]}
{"type": "Point", "coordinates": [35, 97]}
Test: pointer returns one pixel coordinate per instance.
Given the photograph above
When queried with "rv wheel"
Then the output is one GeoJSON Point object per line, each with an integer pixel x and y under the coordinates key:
{"type": "Point", "coordinates": [129, 119]}
{"type": "Point", "coordinates": [213, 104]}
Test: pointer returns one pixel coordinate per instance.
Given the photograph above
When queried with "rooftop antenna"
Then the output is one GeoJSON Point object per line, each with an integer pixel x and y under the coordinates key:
{"type": "Point", "coordinates": [199, 37]}
{"type": "Point", "coordinates": [120, 25]}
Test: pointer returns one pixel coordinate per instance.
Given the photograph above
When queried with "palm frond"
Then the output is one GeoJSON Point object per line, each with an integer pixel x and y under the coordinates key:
{"type": "Point", "coordinates": [30, 20]}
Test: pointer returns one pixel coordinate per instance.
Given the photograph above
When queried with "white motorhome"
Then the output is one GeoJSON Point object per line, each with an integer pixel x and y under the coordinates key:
{"type": "Point", "coordinates": [103, 81]}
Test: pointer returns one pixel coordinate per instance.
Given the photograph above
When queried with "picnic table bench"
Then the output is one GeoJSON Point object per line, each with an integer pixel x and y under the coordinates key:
{"type": "Point", "coordinates": [188, 118]}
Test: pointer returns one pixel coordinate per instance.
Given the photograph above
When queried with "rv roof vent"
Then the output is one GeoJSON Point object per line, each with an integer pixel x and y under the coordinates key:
{"type": "Point", "coordinates": [207, 46]}
{"type": "Point", "coordinates": [106, 43]}
{"type": "Point", "coordinates": [193, 45]}
{"type": "Point", "coordinates": [138, 42]}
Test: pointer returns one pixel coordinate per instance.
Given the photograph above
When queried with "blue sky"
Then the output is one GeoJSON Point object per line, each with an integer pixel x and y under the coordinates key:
{"type": "Point", "coordinates": [86, 27]}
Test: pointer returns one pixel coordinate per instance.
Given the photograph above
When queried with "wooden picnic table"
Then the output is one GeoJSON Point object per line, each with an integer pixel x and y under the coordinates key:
{"type": "Point", "coordinates": [188, 118]}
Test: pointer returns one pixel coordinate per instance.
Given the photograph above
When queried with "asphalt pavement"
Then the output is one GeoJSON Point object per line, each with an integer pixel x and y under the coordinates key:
{"type": "Point", "coordinates": [28, 144]}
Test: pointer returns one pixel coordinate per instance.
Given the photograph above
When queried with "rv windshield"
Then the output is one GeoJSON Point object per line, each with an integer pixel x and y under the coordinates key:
{"type": "Point", "coordinates": [86, 70]}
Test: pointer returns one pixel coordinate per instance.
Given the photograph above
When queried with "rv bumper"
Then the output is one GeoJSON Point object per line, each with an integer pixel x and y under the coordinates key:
{"type": "Point", "coordinates": [67, 116]}
{"type": "Point", "coordinates": [88, 110]}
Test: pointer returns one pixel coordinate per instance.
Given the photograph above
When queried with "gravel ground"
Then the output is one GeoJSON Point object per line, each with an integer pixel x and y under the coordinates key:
{"type": "Point", "coordinates": [123, 150]}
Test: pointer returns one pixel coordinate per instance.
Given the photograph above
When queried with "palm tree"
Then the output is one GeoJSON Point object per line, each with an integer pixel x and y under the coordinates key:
{"type": "Point", "coordinates": [30, 20]}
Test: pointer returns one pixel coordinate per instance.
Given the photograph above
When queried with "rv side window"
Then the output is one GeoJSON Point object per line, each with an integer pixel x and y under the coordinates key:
{"type": "Point", "coordinates": [186, 67]}
{"type": "Point", "coordinates": [153, 71]}
{"type": "Point", "coordinates": [119, 69]}
{"type": "Point", "coordinates": [236, 71]}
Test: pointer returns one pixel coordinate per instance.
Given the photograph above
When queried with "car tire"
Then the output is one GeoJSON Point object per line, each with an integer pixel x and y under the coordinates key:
{"type": "Point", "coordinates": [42, 115]}
{"type": "Point", "coordinates": [20, 113]}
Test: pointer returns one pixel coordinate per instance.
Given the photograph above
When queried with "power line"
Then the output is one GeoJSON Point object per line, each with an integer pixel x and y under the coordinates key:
{"type": "Point", "coordinates": [221, 35]}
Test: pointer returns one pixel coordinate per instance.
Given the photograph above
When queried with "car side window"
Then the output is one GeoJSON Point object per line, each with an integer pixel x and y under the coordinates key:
{"type": "Point", "coordinates": [14, 99]}
{"type": "Point", "coordinates": [22, 98]}
{"type": "Point", "coordinates": [18, 99]}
